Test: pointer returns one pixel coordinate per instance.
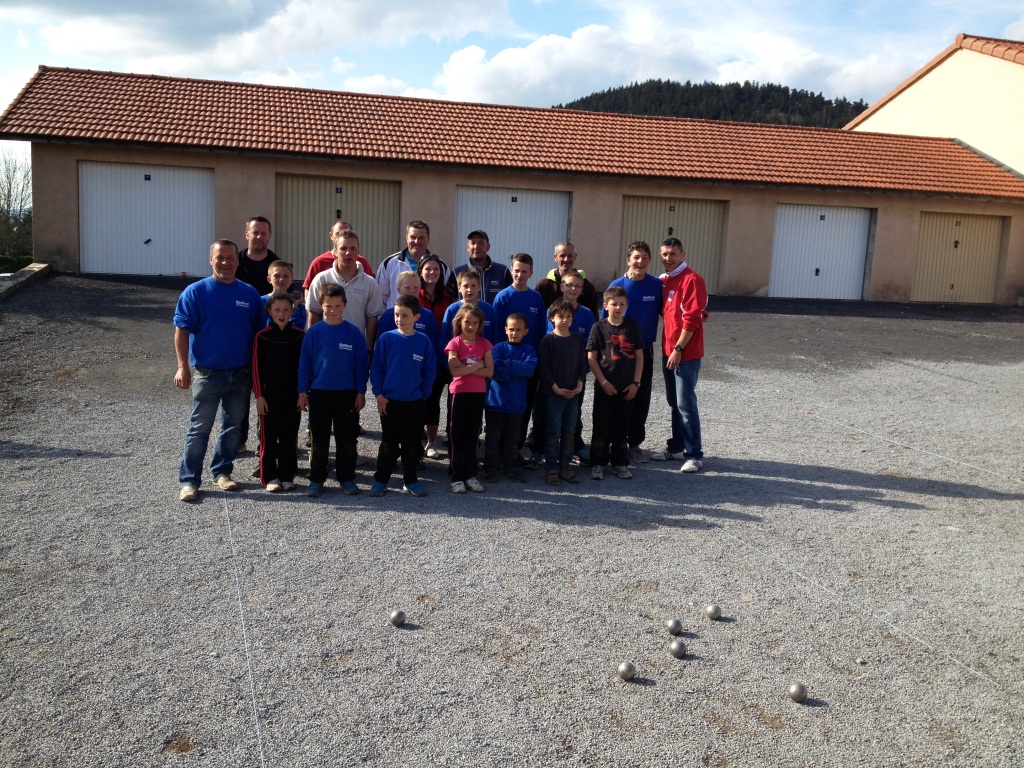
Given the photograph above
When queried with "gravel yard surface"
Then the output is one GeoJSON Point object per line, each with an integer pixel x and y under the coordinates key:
{"type": "Point", "coordinates": [858, 520]}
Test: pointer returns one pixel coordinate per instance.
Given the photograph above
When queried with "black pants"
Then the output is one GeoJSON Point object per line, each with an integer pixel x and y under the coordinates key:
{"type": "Point", "coordinates": [642, 401]}
{"type": "Point", "coordinates": [465, 417]}
{"type": "Point", "coordinates": [400, 430]}
{"type": "Point", "coordinates": [332, 409]}
{"type": "Point", "coordinates": [279, 432]}
{"type": "Point", "coordinates": [612, 416]}
{"type": "Point", "coordinates": [501, 443]}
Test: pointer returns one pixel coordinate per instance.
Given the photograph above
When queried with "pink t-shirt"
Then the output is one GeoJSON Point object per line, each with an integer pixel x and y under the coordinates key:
{"type": "Point", "coordinates": [468, 353]}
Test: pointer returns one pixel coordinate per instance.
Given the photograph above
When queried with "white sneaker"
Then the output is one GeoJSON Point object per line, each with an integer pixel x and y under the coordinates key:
{"type": "Point", "coordinates": [667, 456]}
{"type": "Point", "coordinates": [458, 487]}
{"type": "Point", "coordinates": [691, 465]}
{"type": "Point", "coordinates": [474, 485]}
{"type": "Point", "coordinates": [623, 472]}
{"type": "Point", "coordinates": [638, 455]}
{"type": "Point", "coordinates": [274, 486]}
{"type": "Point", "coordinates": [432, 452]}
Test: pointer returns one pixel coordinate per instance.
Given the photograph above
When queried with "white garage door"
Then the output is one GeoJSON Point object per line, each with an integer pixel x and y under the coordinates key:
{"type": "Point", "coordinates": [819, 252]}
{"type": "Point", "coordinates": [145, 219]}
{"type": "Point", "coordinates": [515, 220]}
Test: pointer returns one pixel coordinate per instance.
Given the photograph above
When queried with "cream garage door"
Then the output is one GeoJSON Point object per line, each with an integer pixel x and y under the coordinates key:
{"type": "Point", "coordinates": [145, 219]}
{"type": "Point", "coordinates": [957, 258]}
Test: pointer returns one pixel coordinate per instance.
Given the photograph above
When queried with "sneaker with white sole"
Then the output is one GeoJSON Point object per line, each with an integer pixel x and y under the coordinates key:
{"type": "Point", "coordinates": [274, 486]}
{"type": "Point", "coordinates": [432, 452]}
{"type": "Point", "coordinates": [691, 466]}
{"type": "Point", "coordinates": [287, 485]}
{"type": "Point", "coordinates": [597, 473]}
{"type": "Point", "coordinates": [474, 485]}
{"type": "Point", "coordinates": [225, 483]}
{"type": "Point", "coordinates": [188, 493]}
{"type": "Point", "coordinates": [638, 455]}
{"type": "Point", "coordinates": [623, 473]}
{"type": "Point", "coordinates": [667, 456]}
{"type": "Point", "coordinates": [415, 489]}
{"type": "Point", "coordinates": [458, 487]}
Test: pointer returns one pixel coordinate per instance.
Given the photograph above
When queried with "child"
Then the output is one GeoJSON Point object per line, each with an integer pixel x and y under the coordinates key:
{"type": "Point", "coordinates": [615, 353]}
{"type": "Point", "coordinates": [562, 368]}
{"type": "Point", "coordinates": [332, 384]}
{"type": "Point", "coordinates": [520, 297]}
{"type": "Point", "coordinates": [514, 365]}
{"type": "Point", "coordinates": [408, 284]}
{"type": "Point", "coordinates": [435, 297]}
{"type": "Point", "coordinates": [470, 363]}
{"type": "Point", "coordinates": [279, 275]}
{"type": "Point", "coordinates": [401, 376]}
{"type": "Point", "coordinates": [275, 376]}
{"type": "Point", "coordinates": [469, 282]}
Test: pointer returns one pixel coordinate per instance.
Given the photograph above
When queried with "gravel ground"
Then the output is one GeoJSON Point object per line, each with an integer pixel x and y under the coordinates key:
{"type": "Point", "coordinates": [858, 521]}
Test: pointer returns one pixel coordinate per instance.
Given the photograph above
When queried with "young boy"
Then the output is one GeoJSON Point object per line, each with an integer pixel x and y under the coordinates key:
{"type": "Point", "coordinates": [643, 297]}
{"type": "Point", "coordinates": [514, 365]}
{"type": "Point", "coordinates": [615, 354]}
{"type": "Point", "coordinates": [279, 275]}
{"type": "Point", "coordinates": [409, 285]}
{"type": "Point", "coordinates": [402, 377]}
{"type": "Point", "coordinates": [520, 297]}
{"type": "Point", "coordinates": [332, 385]}
{"type": "Point", "coordinates": [562, 368]}
{"type": "Point", "coordinates": [469, 291]}
{"type": "Point", "coordinates": [275, 375]}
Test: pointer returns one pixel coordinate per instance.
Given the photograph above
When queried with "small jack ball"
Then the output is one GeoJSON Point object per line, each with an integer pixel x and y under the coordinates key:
{"type": "Point", "coordinates": [674, 626]}
{"type": "Point", "coordinates": [397, 618]}
{"type": "Point", "coordinates": [798, 692]}
{"type": "Point", "coordinates": [677, 648]}
{"type": "Point", "coordinates": [714, 611]}
{"type": "Point", "coordinates": [626, 670]}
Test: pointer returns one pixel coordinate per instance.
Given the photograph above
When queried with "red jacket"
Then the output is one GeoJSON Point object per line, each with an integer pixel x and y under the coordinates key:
{"type": "Point", "coordinates": [685, 299]}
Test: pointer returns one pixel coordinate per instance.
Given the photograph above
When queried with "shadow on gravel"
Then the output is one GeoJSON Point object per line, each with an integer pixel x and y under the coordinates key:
{"type": "Point", "coordinates": [12, 450]}
{"type": "Point", "coordinates": [988, 313]}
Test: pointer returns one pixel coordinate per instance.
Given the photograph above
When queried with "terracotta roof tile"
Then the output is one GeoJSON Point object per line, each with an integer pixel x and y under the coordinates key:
{"type": "Point", "coordinates": [198, 114]}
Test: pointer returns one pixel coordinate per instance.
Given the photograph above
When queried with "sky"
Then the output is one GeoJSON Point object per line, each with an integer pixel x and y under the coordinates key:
{"type": "Point", "coordinates": [520, 52]}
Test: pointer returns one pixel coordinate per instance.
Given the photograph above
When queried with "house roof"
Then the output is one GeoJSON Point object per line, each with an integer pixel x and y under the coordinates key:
{"type": "Point", "coordinates": [1008, 50]}
{"type": "Point", "coordinates": [73, 105]}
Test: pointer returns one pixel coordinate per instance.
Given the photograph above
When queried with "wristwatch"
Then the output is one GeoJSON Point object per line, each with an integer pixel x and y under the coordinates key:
{"type": "Point", "coordinates": [678, 348]}
{"type": "Point", "coordinates": [636, 384]}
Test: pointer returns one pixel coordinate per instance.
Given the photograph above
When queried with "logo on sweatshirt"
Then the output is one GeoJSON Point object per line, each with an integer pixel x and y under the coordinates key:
{"type": "Point", "coordinates": [239, 303]}
{"type": "Point", "coordinates": [417, 358]}
{"type": "Point", "coordinates": [650, 298]}
{"type": "Point", "coordinates": [344, 347]}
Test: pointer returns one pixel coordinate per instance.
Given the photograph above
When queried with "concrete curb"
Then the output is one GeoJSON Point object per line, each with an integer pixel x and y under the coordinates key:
{"type": "Point", "coordinates": [22, 277]}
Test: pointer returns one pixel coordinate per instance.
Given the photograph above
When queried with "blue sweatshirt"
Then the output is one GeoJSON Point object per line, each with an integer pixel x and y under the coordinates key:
{"type": "Point", "coordinates": [490, 327]}
{"type": "Point", "coordinates": [529, 303]}
{"type": "Point", "coordinates": [298, 318]}
{"type": "Point", "coordinates": [403, 367]}
{"type": "Point", "coordinates": [644, 297]}
{"type": "Point", "coordinates": [426, 325]}
{"type": "Point", "coordinates": [221, 319]}
{"type": "Point", "coordinates": [334, 358]}
{"type": "Point", "coordinates": [582, 321]}
{"type": "Point", "coordinates": [514, 364]}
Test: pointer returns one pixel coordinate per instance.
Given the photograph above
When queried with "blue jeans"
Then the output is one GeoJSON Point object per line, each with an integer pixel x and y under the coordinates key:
{"type": "Point", "coordinates": [561, 416]}
{"type": "Point", "coordinates": [681, 394]}
{"type": "Point", "coordinates": [228, 392]}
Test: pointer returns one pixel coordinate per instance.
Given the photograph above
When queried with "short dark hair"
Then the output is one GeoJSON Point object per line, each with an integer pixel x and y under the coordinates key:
{"type": "Point", "coordinates": [615, 292]}
{"type": "Point", "coordinates": [478, 233]}
{"type": "Point", "coordinates": [470, 273]}
{"type": "Point", "coordinates": [571, 272]}
{"type": "Point", "coordinates": [345, 234]}
{"type": "Point", "coordinates": [561, 307]}
{"type": "Point", "coordinates": [281, 296]}
{"type": "Point", "coordinates": [519, 317]}
{"type": "Point", "coordinates": [222, 242]}
{"type": "Point", "coordinates": [331, 290]}
{"type": "Point", "coordinates": [524, 258]}
{"type": "Point", "coordinates": [672, 242]}
{"type": "Point", "coordinates": [281, 263]}
{"type": "Point", "coordinates": [409, 302]}
{"type": "Point", "coordinates": [638, 245]}
{"type": "Point", "coordinates": [261, 219]}
{"type": "Point", "coordinates": [417, 224]}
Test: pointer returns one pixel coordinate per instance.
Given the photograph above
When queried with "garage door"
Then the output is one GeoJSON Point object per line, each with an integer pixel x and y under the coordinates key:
{"type": "Point", "coordinates": [957, 258]}
{"type": "Point", "coordinates": [308, 206]}
{"type": "Point", "coordinates": [145, 219]}
{"type": "Point", "coordinates": [820, 252]}
{"type": "Point", "coordinates": [516, 221]}
{"type": "Point", "coordinates": [699, 224]}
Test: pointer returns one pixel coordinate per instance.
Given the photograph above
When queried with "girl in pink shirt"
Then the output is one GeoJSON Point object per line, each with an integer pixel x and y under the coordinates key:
{"type": "Point", "coordinates": [470, 363]}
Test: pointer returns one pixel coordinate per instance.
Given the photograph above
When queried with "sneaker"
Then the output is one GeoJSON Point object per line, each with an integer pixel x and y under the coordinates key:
{"type": "Point", "coordinates": [638, 455]}
{"type": "Point", "coordinates": [287, 485]}
{"type": "Point", "coordinates": [315, 489]}
{"type": "Point", "coordinates": [432, 452]}
{"type": "Point", "coordinates": [691, 466]}
{"type": "Point", "coordinates": [274, 486]}
{"type": "Point", "coordinates": [458, 487]}
{"type": "Point", "coordinates": [378, 489]}
{"type": "Point", "coordinates": [350, 488]}
{"type": "Point", "coordinates": [569, 476]}
{"type": "Point", "coordinates": [597, 473]}
{"type": "Point", "coordinates": [666, 456]}
{"type": "Point", "coordinates": [491, 477]}
{"type": "Point", "coordinates": [623, 473]}
{"type": "Point", "coordinates": [225, 483]}
{"type": "Point", "coordinates": [515, 475]}
{"type": "Point", "coordinates": [552, 478]}
{"type": "Point", "coordinates": [188, 493]}
{"type": "Point", "coordinates": [535, 460]}
{"type": "Point", "coordinates": [415, 489]}
{"type": "Point", "coordinates": [474, 485]}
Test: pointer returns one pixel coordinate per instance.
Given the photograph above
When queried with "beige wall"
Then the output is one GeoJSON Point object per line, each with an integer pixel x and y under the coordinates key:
{"type": "Point", "coordinates": [970, 96]}
{"type": "Point", "coordinates": [245, 185]}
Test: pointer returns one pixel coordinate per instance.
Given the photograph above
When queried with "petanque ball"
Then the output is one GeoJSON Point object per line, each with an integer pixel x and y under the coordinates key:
{"type": "Point", "coordinates": [798, 692]}
{"type": "Point", "coordinates": [397, 618]}
{"type": "Point", "coordinates": [714, 611]}
{"type": "Point", "coordinates": [626, 670]}
{"type": "Point", "coordinates": [677, 648]}
{"type": "Point", "coordinates": [674, 626]}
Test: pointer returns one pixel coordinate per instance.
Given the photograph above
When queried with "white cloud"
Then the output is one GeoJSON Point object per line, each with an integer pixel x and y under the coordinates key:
{"type": "Point", "coordinates": [390, 86]}
{"type": "Point", "coordinates": [1014, 31]}
{"type": "Point", "coordinates": [340, 67]}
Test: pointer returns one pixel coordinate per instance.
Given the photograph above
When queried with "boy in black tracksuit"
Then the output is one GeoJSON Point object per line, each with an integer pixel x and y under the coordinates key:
{"type": "Point", "coordinates": [275, 382]}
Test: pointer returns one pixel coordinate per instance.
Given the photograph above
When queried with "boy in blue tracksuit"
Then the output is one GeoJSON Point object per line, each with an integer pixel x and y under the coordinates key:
{"type": "Point", "coordinates": [514, 364]}
{"type": "Point", "coordinates": [402, 376]}
{"type": "Point", "coordinates": [332, 385]}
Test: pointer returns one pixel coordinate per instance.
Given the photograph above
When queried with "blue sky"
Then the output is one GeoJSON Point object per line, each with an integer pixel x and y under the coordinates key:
{"type": "Point", "coordinates": [535, 53]}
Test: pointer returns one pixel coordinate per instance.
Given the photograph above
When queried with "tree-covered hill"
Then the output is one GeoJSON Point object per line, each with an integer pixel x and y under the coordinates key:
{"type": "Point", "coordinates": [747, 102]}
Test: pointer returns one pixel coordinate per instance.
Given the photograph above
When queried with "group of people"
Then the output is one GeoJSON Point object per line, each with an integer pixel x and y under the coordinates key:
{"type": "Point", "coordinates": [415, 327]}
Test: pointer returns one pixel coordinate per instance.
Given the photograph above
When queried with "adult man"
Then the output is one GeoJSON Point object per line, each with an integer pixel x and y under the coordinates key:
{"type": "Point", "coordinates": [494, 276]}
{"type": "Point", "coordinates": [325, 260]}
{"type": "Point", "coordinates": [550, 286]}
{"type": "Point", "coordinates": [682, 345]}
{"type": "Point", "coordinates": [255, 260]}
{"type": "Point", "coordinates": [643, 294]}
{"type": "Point", "coordinates": [362, 294]}
{"type": "Point", "coordinates": [215, 321]}
{"type": "Point", "coordinates": [417, 238]}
